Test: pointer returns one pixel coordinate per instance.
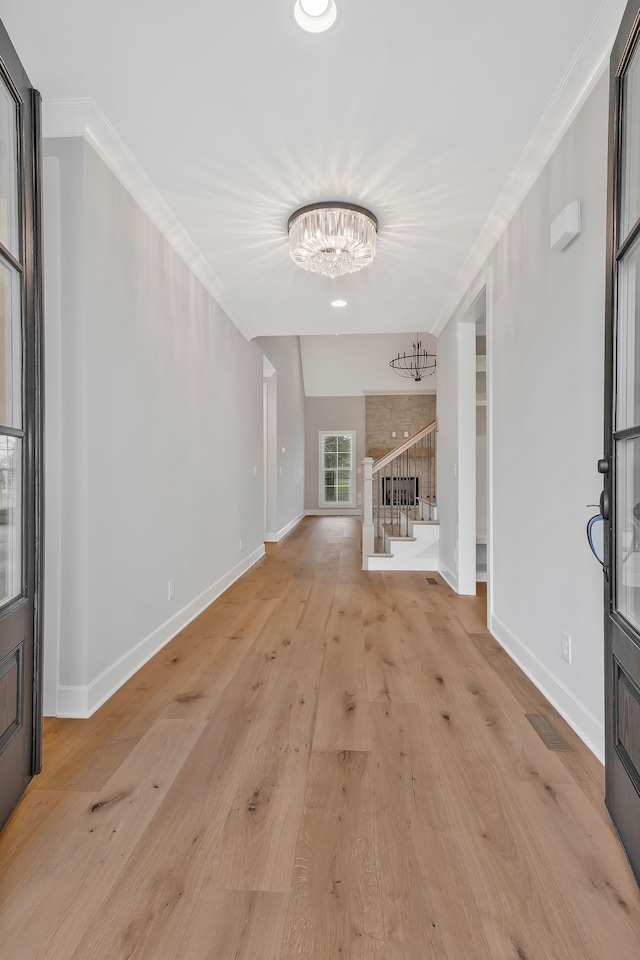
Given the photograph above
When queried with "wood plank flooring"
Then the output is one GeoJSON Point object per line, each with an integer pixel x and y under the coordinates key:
{"type": "Point", "coordinates": [325, 764]}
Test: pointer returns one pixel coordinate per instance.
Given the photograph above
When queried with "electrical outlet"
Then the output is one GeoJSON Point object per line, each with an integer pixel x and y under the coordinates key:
{"type": "Point", "coordinates": [393, 434]}
{"type": "Point", "coordinates": [255, 469]}
{"type": "Point", "coordinates": [240, 545]}
{"type": "Point", "coordinates": [171, 589]}
{"type": "Point", "coordinates": [565, 646]}
{"type": "Point", "coordinates": [405, 434]}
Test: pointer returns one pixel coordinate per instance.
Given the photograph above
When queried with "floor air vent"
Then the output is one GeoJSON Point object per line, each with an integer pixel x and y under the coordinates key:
{"type": "Point", "coordinates": [550, 737]}
{"type": "Point", "coordinates": [432, 581]}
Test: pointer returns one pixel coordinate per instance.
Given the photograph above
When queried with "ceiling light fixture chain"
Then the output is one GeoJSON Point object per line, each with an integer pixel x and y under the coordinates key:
{"type": "Point", "coordinates": [414, 365]}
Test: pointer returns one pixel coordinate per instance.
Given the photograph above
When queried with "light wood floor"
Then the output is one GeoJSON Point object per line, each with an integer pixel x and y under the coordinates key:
{"type": "Point", "coordinates": [325, 764]}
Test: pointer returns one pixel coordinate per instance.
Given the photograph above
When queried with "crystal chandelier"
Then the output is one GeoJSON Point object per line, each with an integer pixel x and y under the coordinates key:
{"type": "Point", "coordinates": [332, 238]}
{"type": "Point", "coordinates": [414, 365]}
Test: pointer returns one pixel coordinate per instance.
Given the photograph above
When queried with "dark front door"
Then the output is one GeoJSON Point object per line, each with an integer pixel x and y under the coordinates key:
{"type": "Point", "coordinates": [20, 469]}
{"type": "Point", "coordinates": [621, 497]}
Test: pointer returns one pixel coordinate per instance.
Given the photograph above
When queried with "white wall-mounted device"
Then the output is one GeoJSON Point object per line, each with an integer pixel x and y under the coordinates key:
{"type": "Point", "coordinates": [566, 226]}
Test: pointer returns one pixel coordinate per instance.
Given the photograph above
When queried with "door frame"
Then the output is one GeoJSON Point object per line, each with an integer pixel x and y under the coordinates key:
{"type": "Point", "coordinates": [270, 439]}
{"type": "Point", "coordinates": [466, 480]}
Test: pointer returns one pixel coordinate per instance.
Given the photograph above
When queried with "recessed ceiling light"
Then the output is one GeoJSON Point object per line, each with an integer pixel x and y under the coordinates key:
{"type": "Point", "coordinates": [315, 8]}
{"type": "Point", "coordinates": [338, 303]}
{"type": "Point", "coordinates": [315, 15]}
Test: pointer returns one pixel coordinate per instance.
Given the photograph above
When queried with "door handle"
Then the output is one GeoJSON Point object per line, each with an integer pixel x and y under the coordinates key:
{"type": "Point", "coordinates": [603, 468]}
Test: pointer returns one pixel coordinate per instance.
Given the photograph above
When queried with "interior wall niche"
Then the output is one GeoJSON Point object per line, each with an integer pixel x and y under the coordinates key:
{"type": "Point", "coordinates": [385, 415]}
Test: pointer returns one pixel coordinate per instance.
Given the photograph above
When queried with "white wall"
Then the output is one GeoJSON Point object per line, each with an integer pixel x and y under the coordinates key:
{"type": "Point", "coordinates": [161, 411]}
{"type": "Point", "coordinates": [332, 413]}
{"type": "Point", "coordinates": [284, 354]}
{"type": "Point", "coordinates": [545, 359]}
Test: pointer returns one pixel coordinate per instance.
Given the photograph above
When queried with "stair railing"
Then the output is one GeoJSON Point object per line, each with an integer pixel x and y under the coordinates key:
{"type": "Point", "coordinates": [399, 488]}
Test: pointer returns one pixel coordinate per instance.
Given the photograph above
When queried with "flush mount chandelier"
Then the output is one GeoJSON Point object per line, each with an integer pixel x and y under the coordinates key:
{"type": "Point", "coordinates": [332, 238]}
{"type": "Point", "coordinates": [414, 365]}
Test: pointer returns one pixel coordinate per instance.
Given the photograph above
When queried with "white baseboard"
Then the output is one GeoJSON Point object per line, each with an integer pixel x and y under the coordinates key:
{"type": "Point", "coordinates": [586, 724]}
{"type": "Point", "coordinates": [83, 701]}
{"type": "Point", "coordinates": [333, 512]}
{"type": "Point", "coordinates": [448, 575]}
{"type": "Point", "coordinates": [72, 702]}
{"type": "Point", "coordinates": [277, 537]}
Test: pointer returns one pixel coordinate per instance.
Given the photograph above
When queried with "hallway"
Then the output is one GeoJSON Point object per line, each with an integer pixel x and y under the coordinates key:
{"type": "Point", "coordinates": [326, 763]}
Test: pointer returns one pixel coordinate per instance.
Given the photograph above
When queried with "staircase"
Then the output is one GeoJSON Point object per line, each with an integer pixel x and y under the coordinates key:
{"type": "Point", "coordinates": [400, 526]}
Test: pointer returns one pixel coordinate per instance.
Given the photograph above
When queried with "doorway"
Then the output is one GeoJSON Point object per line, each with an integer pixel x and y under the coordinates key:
{"type": "Point", "coordinates": [20, 430]}
{"type": "Point", "coordinates": [473, 466]}
{"type": "Point", "coordinates": [270, 448]}
{"type": "Point", "coordinates": [482, 499]}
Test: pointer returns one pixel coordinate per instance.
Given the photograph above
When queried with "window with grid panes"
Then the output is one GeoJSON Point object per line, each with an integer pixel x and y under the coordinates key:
{"type": "Point", "coordinates": [337, 452]}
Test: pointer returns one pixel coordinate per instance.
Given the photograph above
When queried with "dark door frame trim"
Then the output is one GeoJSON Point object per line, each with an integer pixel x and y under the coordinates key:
{"type": "Point", "coordinates": [38, 440]}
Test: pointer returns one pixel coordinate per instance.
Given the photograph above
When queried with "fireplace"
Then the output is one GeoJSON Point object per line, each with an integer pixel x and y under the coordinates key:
{"type": "Point", "coordinates": [400, 491]}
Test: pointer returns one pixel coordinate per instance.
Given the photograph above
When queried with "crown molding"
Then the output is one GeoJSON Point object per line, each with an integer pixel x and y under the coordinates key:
{"type": "Point", "coordinates": [585, 70]}
{"type": "Point", "coordinates": [84, 118]}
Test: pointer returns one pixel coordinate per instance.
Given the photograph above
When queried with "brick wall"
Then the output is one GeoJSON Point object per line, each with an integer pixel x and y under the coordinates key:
{"type": "Point", "coordinates": [384, 415]}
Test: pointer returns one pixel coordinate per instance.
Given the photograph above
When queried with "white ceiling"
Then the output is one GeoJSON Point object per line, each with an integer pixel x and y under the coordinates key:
{"type": "Point", "coordinates": [350, 365]}
{"type": "Point", "coordinates": [420, 110]}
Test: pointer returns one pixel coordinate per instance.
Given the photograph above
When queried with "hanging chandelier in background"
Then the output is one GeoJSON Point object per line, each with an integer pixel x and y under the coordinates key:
{"type": "Point", "coordinates": [414, 365]}
{"type": "Point", "coordinates": [332, 238]}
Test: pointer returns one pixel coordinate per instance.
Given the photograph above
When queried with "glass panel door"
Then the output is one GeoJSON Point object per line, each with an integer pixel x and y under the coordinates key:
{"type": "Point", "coordinates": [9, 163]}
{"type": "Point", "coordinates": [10, 346]}
{"type": "Point", "coordinates": [621, 465]}
{"type": "Point", "coordinates": [20, 713]}
{"type": "Point", "coordinates": [628, 531]}
{"type": "Point", "coordinates": [11, 433]}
